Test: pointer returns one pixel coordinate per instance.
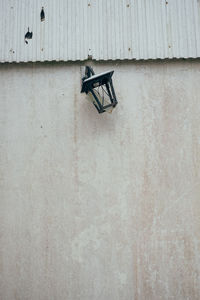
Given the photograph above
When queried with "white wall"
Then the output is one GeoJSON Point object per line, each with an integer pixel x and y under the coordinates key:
{"type": "Point", "coordinates": [100, 206]}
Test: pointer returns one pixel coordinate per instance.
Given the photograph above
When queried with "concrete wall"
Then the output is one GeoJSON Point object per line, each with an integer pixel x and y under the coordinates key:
{"type": "Point", "coordinates": [100, 206]}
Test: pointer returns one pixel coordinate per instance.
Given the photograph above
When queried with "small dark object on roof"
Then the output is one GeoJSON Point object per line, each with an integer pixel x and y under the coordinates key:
{"type": "Point", "coordinates": [28, 36]}
{"type": "Point", "coordinates": [42, 15]}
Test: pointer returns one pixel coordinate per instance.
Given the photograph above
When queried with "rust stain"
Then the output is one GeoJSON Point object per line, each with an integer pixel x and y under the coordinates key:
{"type": "Point", "coordinates": [75, 141]}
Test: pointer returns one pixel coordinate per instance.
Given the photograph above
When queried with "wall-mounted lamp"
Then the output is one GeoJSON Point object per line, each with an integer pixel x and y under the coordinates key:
{"type": "Point", "coordinates": [100, 88]}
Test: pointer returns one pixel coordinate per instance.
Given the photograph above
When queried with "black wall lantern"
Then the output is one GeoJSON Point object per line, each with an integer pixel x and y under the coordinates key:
{"type": "Point", "coordinates": [100, 88]}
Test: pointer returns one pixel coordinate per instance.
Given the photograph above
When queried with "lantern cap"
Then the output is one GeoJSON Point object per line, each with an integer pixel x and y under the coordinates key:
{"type": "Point", "coordinates": [101, 79]}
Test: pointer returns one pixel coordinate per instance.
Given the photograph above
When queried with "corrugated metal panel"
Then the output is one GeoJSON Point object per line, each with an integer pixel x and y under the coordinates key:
{"type": "Point", "coordinates": [101, 29]}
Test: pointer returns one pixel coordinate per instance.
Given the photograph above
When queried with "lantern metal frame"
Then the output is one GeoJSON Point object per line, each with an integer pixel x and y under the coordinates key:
{"type": "Point", "coordinates": [90, 82]}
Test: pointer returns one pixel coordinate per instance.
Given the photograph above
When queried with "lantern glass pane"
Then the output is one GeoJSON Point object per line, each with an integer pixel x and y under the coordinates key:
{"type": "Point", "coordinates": [103, 97]}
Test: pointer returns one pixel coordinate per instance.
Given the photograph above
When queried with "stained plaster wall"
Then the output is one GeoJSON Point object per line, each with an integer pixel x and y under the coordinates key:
{"type": "Point", "coordinates": [100, 206]}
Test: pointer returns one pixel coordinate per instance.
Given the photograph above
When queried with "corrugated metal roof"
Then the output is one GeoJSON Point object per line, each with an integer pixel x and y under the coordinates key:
{"type": "Point", "coordinates": [101, 29]}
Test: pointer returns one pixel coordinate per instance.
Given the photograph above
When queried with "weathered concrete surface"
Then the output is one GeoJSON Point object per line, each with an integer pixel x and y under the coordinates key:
{"type": "Point", "coordinates": [100, 206]}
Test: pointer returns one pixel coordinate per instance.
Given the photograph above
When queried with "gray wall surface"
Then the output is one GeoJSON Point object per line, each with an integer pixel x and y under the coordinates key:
{"type": "Point", "coordinates": [98, 207]}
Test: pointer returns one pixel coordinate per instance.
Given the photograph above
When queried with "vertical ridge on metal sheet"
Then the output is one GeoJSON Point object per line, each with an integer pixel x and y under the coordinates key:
{"type": "Point", "coordinates": [196, 7]}
{"type": "Point", "coordinates": [99, 29]}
